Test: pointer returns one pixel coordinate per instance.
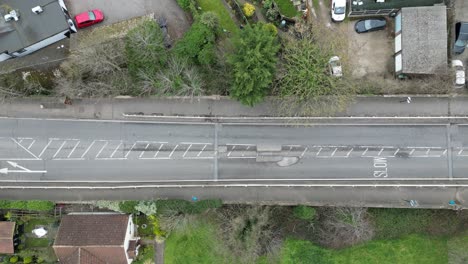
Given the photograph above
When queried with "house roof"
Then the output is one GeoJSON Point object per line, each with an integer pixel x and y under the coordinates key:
{"type": "Point", "coordinates": [30, 28]}
{"type": "Point", "coordinates": [92, 239]}
{"type": "Point", "coordinates": [92, 230]}
{"type": "Point", "coordinates": [7, 230]}
{"type": "Point", "coordinates": [424, 39]}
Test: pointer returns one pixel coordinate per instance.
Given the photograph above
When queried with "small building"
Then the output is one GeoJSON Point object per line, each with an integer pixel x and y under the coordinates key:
{"type": "Point", "coordinates": [421, 40]}
{"type": "Point", "coordinates": [7, 231]}
{"type": "Point", "coordinates": [96, 238]}
{"type": "Point", "coordinates": [27, 26]}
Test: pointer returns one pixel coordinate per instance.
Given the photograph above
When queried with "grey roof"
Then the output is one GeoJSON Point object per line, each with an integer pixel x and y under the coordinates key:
{"type": "Point", "coordinates": [31, 27]}
{"type": "Point", "coordinates": [424, 39]}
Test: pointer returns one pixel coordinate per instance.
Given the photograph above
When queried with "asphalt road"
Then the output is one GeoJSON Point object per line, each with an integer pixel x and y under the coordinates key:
{"type": "Point", "coordinates": [114, 151]}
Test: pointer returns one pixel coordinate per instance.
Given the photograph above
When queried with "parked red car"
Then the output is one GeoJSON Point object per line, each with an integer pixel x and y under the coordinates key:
{"type": "Point", "coordinates": [89, 18]}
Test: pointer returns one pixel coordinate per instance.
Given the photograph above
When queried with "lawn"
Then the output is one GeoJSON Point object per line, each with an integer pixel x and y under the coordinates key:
{"type": "Point", "coordinates": [411, 249]}
{"type": "Point", "coordinates": [395, 223]}
{"type": "Point", "coordinates": [32, 242]}
{"type": "Point", "coordinates": [197, 243]}
{"type": "Point", "coordinates": [217, 7]}
{"type": "Point", "coordinates": [287, 8]}
{"type": "Point", "coordinates": [32, 223]}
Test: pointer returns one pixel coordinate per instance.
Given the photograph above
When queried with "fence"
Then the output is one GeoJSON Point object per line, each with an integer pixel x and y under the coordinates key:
{"type": "Point", "coordinates": [371, 7]}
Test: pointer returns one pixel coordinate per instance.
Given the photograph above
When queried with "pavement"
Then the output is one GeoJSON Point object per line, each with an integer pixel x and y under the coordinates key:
{"type": "Point", "coordinates": [209, 107]}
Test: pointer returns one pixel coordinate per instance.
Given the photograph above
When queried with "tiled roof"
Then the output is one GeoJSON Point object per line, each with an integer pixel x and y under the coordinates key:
{"type": "Point", "coordinates": [7, 230]}
{"type": "Point", "coordinates": [92, 230]}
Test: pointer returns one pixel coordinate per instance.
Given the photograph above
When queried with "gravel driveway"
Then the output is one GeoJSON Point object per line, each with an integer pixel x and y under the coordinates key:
{"type": "Point", "coordinates": [119, 10]}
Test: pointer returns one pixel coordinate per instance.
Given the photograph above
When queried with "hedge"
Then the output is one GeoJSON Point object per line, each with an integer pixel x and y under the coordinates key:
{"type": "Point", "coordinates": [32, 205]}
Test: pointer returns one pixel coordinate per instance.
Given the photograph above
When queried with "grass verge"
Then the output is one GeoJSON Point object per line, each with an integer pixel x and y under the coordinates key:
{"type": "Point", "coordinates": [287, 8]}
{"type": "Point", "coordinates": [218, 8]}
{"type": "Point", "coordinates": [197, 243]}
{"type": "Point", "coordinates": [411, 249]}
{"type": "Point", "coordinates": [394, 223]}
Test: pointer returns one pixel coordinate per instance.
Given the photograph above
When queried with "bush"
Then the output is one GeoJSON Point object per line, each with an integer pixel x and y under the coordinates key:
{"type": "Point", "coordinates": [28, 260]}
{"type": "Point", "coordinates": [211, 20]}
{"type": "Point", "coordinates": [198, 38]}
{"type": "Point", "coordinates": [184, 4]}
{"type": "Point", "coordinates": [304, 212]}
{"type": "Point", "coordinates": [248, 9]}
{"type": "Point", "coordinates": [254, 64]}
{"type": "Point", "coordinates": [271, 28]}
{"type": "Point", "coordinates": [40, 260]}
{"type": "Point", "coordinates": [111, 205]}
{"type": "Point", "coordinates": [128, 207]}
{"type": "Point", "coordinates": [14, 259]}
{"type": "Point", "coordinates": [146, 207]}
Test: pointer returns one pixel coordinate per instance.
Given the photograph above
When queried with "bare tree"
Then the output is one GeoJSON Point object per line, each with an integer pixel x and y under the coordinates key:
{"type": "Point", "coordinates": [343, 226]}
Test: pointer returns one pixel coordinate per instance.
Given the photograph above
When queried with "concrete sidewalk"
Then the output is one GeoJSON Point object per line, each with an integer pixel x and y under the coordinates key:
{"type": "Point", "coordinates": [122, 108]}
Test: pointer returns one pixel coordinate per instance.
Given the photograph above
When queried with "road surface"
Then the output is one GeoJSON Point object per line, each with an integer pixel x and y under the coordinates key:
{"type": "Point", "coordinates": [34, 150]}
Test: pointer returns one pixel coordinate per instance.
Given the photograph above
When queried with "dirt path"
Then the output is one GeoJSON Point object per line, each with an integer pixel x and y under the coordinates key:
{"type": "Point", "coordinates": [159, 252]}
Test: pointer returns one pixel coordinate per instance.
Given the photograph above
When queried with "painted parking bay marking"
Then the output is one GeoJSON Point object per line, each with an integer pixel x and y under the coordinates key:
{"type": "Point", "coordinates": [22, 169]}
{"type": "Point", "coordinates": [380, 167]}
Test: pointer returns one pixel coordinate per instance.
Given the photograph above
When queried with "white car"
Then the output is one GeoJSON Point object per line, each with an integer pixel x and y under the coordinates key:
{"type": "Point", "coordinates": [338, 10]}
{"type": "Point", "coordinates": [335, 66]}
{"type": "Point", "coordinates": [457, 65]}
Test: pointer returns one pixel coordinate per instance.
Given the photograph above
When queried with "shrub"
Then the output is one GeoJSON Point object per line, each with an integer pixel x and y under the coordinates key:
{"type": "Point", "coordinates": [254, 64]}
{"type": "Point", "coordinates": [14, 259]}
{"type": "Point", "coordinates": [128, 207]}
{"type": "Point", "coordinates": [248, 9]}
{"type": "Point", "coordinates": [272, 14]}
{"type": "Point", "coordinates": [28, 260]}
{"type": "Point", "coordinates": [271, 28]}
{"type": "Point", "coordinates": [211, 20]}
{"type": "Point", "coordinates": [146, 207]}
{"type": "Point", "coordinates": [197, 38]}
{"type": "Point", "coordinates": [184, 4]}
{"type": "Point", "coordinates": [304, 212]}
{"type": "Point", "coordinates": [111, 205]}
{"type": "Point", "coordinates": [40, 260]}
{"type": "Point", "coordinates": [155, 223]}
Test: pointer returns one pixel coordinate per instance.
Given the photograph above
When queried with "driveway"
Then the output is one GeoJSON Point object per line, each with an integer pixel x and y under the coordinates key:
{"type": "Point", "coordinates": [120, 10]}
{"type": "Point", "coordinates": [370, 53]}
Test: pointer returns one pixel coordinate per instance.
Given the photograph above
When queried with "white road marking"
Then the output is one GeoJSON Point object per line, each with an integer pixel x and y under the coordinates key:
{"type": "Point", "coordinates": [229, 153]}
{"type": "Point", "coordinates": [199, 153]}
{"type": "Point", "coordinates": [185, 153]}
{"type": "Point", "coordinates": [90, 146]}
{"type": "Point", "coordinates": [157, 152]}
{"type": "Point", "coordinates": [44, 149]}
{"type": "Point", "coordinates": [115, 150]}
{"type": "Point", "coordinates": [396, 151]}
{"type": "Point", "coordinates": [349, 152]}
{"type": "Point", "coordinates": [59, 149]}
{"type": "Point", "coordinates": [365, 151]}
{"type": "Point", "coordinates": [130, 150]}
{"type": "Point", "coordinates": [380, 152]}
{"type": "Point", "coordinates": [103, 147]}
{"type": "Point", "coordinates": [172, 152]}
{"type": "Point", "coordinates": [318, 152]}
{"type": "Point", "coordinates": [27, 150]}
{"type": "Point", "coordinates": [333, 153]}
{"type": "Point", "coordinates": [32, 143]}
{"type": "Point", "coordinates": [304, 152]}
{"type": "Point", "coordinates": [143, 152]}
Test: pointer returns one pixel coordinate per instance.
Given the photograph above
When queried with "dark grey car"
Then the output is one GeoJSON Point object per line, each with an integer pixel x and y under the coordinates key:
{"type": "Point", "coordinates": [461, 37]}
{"type": "Point", "coordinates": [371, 24]}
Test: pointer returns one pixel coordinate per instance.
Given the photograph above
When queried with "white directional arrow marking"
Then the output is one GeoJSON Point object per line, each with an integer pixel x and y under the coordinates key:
{"type": "Point", "coordinates": [15, 165]}
{"type": "Point", "coordinates": [23, 169]}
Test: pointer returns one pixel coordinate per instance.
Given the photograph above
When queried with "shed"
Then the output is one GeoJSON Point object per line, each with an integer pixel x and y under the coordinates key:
{"type": "Point", "coordinates": [421, 40]}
